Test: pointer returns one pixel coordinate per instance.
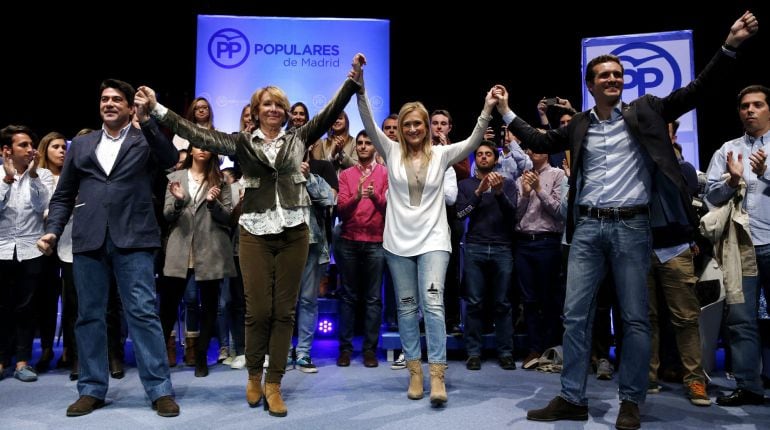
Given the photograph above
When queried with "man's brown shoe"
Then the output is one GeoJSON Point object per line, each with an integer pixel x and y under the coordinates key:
{"type": "Point", "coordinates": [344, 359]}
{"type": "Point", "coordinates": [628, 417]}
{"type": "Point", "coordinates": [370, 359]}
{"type": "Point", "coordinates": [559, 409]}
{"type": "Point", "coordinates": [84, 406]}
{"type": "Point", "coordinates": [166, 406]}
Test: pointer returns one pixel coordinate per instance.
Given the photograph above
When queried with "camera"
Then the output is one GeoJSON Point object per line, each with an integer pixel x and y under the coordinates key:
{"type": "Point", "coordinates": [551, 101]}
{"type": "Point", "coordinates": [501, 136]}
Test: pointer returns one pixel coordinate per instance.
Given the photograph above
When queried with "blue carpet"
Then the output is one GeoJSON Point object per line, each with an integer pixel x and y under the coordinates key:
{"type": "Point", "coordinates": [356, 398]}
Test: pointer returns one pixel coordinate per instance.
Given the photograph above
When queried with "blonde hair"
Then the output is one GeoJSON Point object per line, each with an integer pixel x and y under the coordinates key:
{"type": "Point", "coordinates": [427, 146]}
{"type": "Point", "coordinates": [42, 148]}
{"type": "Point", "coordinates": [276, 94]}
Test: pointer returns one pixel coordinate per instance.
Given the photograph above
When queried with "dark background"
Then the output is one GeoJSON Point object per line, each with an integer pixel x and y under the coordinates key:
{"type": "Point", "coordinates": [445, 57]}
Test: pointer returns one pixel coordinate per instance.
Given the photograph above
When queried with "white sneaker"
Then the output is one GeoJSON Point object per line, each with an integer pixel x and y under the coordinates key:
{"type": "Point", "coordinates": [228, 361]}
{"type": "Point", "coordinates": [399, 363]}
{"type": "Point", "coordinates": [266, 364]}
{"type": "Point", "coordinates": [239, 362]}
{"type": "Point", "coordinates": [222, 354]}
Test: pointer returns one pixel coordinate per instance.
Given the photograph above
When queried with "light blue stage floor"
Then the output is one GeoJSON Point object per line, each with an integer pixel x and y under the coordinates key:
{"type": "Point", "coordinates": [356, 398]}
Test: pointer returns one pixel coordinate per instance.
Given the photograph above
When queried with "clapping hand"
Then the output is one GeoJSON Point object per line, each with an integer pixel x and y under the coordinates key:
{"type": "Point", "coordinates": [734, 168]}
{"type": "Point", "coordinates": [757, 161]}
{"type": "Point", "coordinates": [176, 190]}
{"type": "Point", "coordinates": [213, 194]}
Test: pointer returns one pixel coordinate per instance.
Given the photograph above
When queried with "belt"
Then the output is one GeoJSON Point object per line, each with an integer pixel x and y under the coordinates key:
{"type": "Point", "coordinates": [531, 237]}
{"type": "Point", "coordinates": [617, 213]}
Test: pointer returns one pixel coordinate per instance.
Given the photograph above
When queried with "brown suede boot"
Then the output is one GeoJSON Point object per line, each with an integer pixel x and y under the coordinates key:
{"type": "Point", "coordinates": [254, 389]}
{"type": "Point", "coordinates": [437, 387]}
{"type": "Point", "coordinates": [415, 390]}
{"type": "Point", "coordinates": [273, 401]}
{"type": "Point", "coordinates": [189, 351]}
{"type": "Point", "coordinates": [171, 350]}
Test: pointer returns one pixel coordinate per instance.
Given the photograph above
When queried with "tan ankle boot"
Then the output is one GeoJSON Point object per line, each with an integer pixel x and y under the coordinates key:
{"type": "Point", "coordinates": [254, 390]}
{"type": "Point", "coordinates": [273, 401]}
{"type": "Point", "coordinates": [415, 391]}
{"type": "Point", "coordinates": [189, 351]}
{"type": "Point", "coordinates": [171, 350]}
{"type": "Point", "coordinates": [437, 388]}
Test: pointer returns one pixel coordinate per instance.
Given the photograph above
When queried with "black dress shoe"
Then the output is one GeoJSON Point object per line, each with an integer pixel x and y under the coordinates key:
{"type": "Point", "coordinates": [116, 369]}
{"type": "Point", "coordinates": [741, 397]}
{"type": "Point", "coordinates": [473, 363]}
{"type": "Point", "coordinates": [559, 409]}
{"type": "Point", "coordinates": [628, 417]}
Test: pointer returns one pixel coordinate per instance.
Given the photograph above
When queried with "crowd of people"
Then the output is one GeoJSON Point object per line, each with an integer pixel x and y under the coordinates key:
{"type": "Point", "coordinates": [125, 223]}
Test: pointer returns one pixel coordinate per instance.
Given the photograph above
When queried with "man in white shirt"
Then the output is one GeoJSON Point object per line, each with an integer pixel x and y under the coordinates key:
{"type": "Point", "coordinates": [24, 195]}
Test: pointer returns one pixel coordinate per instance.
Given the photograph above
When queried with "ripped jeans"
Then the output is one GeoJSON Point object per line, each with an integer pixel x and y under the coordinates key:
{"type": "Point", "coordinates": [419, 285]}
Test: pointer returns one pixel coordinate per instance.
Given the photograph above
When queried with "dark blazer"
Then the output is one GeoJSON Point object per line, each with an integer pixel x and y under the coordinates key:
{"type": "Point", "coordinates": [647, 121]}
{"type": "Point", "coordinates": [121, 200]}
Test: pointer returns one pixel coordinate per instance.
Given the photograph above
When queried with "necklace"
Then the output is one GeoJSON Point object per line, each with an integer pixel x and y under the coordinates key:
{"type": "Point", "coordinates": [197, 177]}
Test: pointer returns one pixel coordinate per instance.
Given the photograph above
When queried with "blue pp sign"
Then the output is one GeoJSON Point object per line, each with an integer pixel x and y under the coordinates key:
{"type": "Point", "coordinates": [654, 63]}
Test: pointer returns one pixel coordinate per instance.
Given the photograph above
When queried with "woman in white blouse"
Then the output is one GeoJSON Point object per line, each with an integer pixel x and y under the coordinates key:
{"type": "Point", "coordinates": [416, 237]}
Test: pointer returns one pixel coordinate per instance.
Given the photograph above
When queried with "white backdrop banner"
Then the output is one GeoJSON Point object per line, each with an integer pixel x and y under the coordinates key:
{"type": "Point", "coordinates": [654, 63]}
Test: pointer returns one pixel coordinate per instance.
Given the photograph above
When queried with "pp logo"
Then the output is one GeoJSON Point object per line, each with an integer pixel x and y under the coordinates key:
{"type": "Point", "coordinates": [228, 48]}
{"type": "Point", "coordinates": [651, 67]}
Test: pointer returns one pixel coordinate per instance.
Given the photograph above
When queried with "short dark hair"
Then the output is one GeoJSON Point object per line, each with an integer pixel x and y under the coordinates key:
{"type": "Point", "coordinates": [491, 145]}
{"type": "Point", "coordinates": [7, 133]}
{"type": "Point", "coordinates": [233, 171]}
{"type": "Point", "coordinates": [361, 133]}
{"type": "Point", "coordinates": [754, 89]}
{"type": "Point", "coordinates": [606, 58]}
{"type": "Point", "coordinates": [124, 87]}
{"type": "Point", "coordinates": [442, 112]}
{"type": "Point", "coordinates": [391, 116]}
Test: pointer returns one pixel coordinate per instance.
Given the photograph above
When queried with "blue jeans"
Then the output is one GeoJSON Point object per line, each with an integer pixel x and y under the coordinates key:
{"type": "Point", "coordinates": [361, 265]}
{"type": "Point", "coordinates": [743, 329]}
{"type": "Point", "coordinates": [192, 306]}
{"type": "Point", "coordinates": [487, 267]}
{"type": "Point", "coordinates": [307, 308]}
{"type": "Point", "coordinates": [419, 285]}
{"type": "Point", "coordinates": [223, 314]}
{"type": "Point", "coordinates": [133, 270]}
{"type": "Point", "coordinates": [621, 246]}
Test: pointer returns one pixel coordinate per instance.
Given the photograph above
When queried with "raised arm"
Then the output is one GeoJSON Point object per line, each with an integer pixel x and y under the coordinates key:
{"type": "Point", "coordinates": [543, 143]}
{"type": "Point", "coordinates": [381, 142]}
{"type": "Point", "coordinates": [164, 153]}
{"type": "Point", "coordinates": [319, 124]}
{"type": "Point", "coordinates": [460, 150]}
{"type": "Point", "coordinates": [204, 138]}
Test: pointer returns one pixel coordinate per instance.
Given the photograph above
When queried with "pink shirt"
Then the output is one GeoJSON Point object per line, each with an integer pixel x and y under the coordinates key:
{"type": "Point", "coordinates": [539, 212]}
{"type": "Point", "coordinates": [363, 220]}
